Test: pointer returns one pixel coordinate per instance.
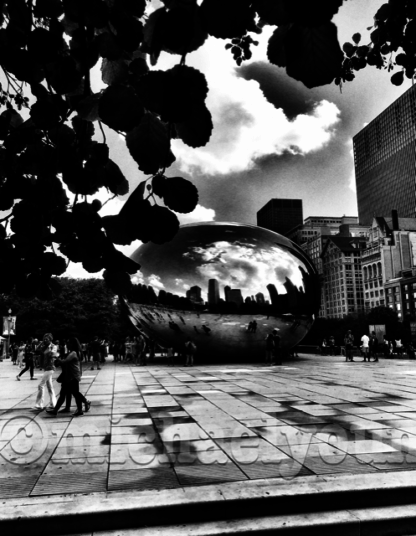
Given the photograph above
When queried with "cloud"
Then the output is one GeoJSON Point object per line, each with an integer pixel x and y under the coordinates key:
{"type": "Point", "coordinates": [199, 214]}
{"type": "Point", "coordinates": [248, 127]}
{"type": "Point", "coordinates": [278, 88]}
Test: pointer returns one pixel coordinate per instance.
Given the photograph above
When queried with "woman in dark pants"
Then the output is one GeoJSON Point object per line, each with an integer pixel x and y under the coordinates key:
{"type": "Point", "coordinates": [29, 360]}
{"type": "Point", "coordinates": [71, 376]}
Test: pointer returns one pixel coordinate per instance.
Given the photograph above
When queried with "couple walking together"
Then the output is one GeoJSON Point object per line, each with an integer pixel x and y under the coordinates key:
{"type": "Point", "coordinates": [69, 378]}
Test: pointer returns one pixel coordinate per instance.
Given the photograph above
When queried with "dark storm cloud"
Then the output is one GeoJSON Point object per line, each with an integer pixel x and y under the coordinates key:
{"type": "Point", "coordinates": [280, 90]}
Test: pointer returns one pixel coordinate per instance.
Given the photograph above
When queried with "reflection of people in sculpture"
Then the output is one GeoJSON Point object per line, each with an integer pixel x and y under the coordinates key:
{"type": "Point", "coordinates": [276, 348]}
{"type": "Point", "coordinates": [174, 326]}
{"type": "Point", "coordinates": [252, 327]}
{"type": "Point", "coordinates": [206, 329]}
{"type": "Point", "coordinates": [190, 351]}
{"type": "Point", "coordinates": [269, 349]}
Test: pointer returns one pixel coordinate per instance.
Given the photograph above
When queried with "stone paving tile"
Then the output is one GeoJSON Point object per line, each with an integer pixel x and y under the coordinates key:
{"type": "Point", "coordinates": [286, 435]}
{"type": "Point", "coordinates": [98, 464]}
{"type": "Point", "coordinates": [337, 465]}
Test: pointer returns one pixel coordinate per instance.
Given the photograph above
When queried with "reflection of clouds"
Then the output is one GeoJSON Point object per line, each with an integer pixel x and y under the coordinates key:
{"type": "Point", "coordinates": [245, 266]}
{"type": "Point", "coordinates": [154, 281]}
{"type": "Point", "coordinates": [178, 281]}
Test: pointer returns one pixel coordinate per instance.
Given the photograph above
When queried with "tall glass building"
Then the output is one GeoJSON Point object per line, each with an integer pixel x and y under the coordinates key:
{"type": "Point", "coordinates": [385, 161]}
{"type": "Point", "coordinates": [281, 215]}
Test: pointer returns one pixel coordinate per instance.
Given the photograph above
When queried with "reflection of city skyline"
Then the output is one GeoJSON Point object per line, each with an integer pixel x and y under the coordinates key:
{"type": "Point", "coordinates": [231, 295]}
{"type": "Point", "coordinates": [293, 301]}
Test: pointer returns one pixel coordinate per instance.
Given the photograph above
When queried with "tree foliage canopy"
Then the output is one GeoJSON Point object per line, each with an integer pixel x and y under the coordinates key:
{"type": "Point", "coordinates": [51, 119]}
{"type": "Point", "coordinates": [84, 308]}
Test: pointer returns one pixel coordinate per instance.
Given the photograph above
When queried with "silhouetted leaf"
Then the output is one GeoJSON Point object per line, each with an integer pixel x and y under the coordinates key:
{"type": "Point", "coordinates": [173, 93]}
{"type": "Point", "coordinates": [158, 184]}
{"type": "Point", "coordinates": [114, 179]}
{"type": "Point", "coordinates": [276, 49]}
{"type": "Point", "coordinates": [398, 78]}
{"type": "Point", "coordinates": [88, 108]}
{"type": "Point", "coordinates": [356, 38]}
{"type": "Point", "coordinates": [163, 224]}
{"type": "Point", "coordinates": [196, 131]}
{"type": "Point", "coordinates": [48, 8]}
{"type": "Point", "coordinates": [118, 281]}
{"type": "Point", "coordinates": [108, 46]}
{"type": "Point", "coordinates": [182, 29]}
{"type": "Point", "coordinates": [129, 30]}
{"type": "Point", "coordinates": [113, 72]}
{"type": "Point", "coordinates": [45, 114]}
{"type": "Point", "coordinates": [313, 54]}
{"type": "Point", "coordinates": [117, 261]}
{"type": "Point", "coordinates": [120, 108]}
{"type": "Point", "coordinates": [180, 194]}
{"type": "Point", "coordinates": [227, 19]}
{"type": "Point", "coordinates": [118, 230]}
{"type": "Point", "coordinates": [64, 76]}
{"type": "Point", "coordinates": [53, 264]}
{"type": "Point", "coordinates": [149, 143]}
{"type": "Point", "coordinates": [133, 7]}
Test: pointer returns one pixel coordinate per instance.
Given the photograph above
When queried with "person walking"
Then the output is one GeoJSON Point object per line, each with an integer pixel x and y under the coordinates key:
{"type": "Point", "coordinates": [21, 354]}
{"type": "Point", "coordinates": [71, 377]}
{"type": "Point", "coordinates": [29, 360]}
{"type": "Point", "coordinates": [373, 347]}
{"type": "Point", "coordinates": [50, 353]}
{"type": "Point", "coordinates": [365, 339]}
{"type": "Point", "coordinates": [349, 345]}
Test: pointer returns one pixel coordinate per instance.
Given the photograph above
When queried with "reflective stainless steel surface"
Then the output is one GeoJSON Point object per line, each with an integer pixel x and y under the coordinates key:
{"type": "Point", "coordinates": [226, 286]}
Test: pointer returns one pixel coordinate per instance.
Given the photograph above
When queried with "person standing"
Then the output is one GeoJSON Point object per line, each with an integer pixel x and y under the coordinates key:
{"type": "Point", "coordinates": [277, 351]}
{"type": "Point", "coordinates": [190, 351]}
{"type": "Point", "coordinates": [71, 377]}
{"type": "Point", "coordinates": [386, 346]}
{"type": "Point", "coordinates": [331, 342]}
{"type": "Point", "coordinates": [14, 350]}
{"type": "Point", "coordinates": [95, 350]}
{"type": "Point", "coordinates": [365, 347]}
{"type": "Point", "coordinates": [349, 345]}
{"type": "Point", "coordinates": [29, 360]}
{"type": "Point", "coordinates": [373, 347]}
{"type": "Point", "coordinates": [50, 353]}
{"type": "Point", "coordinates": [399, 347]}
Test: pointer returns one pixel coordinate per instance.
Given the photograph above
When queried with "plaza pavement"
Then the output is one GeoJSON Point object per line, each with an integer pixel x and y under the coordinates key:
{"type": "Point", "coordinates": [177, 428]}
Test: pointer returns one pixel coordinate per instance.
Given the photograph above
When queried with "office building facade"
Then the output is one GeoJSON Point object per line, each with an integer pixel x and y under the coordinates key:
{"type": "Point", "coordinates": [385, 161]}
{"type": "Point", "coordinates": [281, 215]}
{"type": "Point", "coordinates": [342, 276]}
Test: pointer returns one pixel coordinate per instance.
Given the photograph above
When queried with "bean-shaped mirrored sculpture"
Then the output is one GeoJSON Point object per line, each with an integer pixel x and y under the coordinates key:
{"type": "Point", "coordinates": [226, 286]}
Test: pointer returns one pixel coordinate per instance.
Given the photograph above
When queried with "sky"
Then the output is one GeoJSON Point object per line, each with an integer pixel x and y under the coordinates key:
{"type": "Point", "coordinates": [273, 138]}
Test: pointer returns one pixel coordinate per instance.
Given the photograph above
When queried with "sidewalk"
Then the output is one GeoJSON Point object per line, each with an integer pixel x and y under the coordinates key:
{"type": "Point", "coordinates": [157, 427]}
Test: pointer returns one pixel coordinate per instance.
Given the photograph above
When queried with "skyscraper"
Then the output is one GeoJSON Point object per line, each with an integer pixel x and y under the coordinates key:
{"type": "Point", "coordinates": [385, 155]}
{"type": "Point", "coordinates": [281, 215]}
{"type": "Point", "coordinates": [213, 291]}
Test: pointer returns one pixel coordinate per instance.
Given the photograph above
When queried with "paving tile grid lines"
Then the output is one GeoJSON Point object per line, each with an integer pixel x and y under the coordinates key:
{"type": "Point", "coordinates": [162, 427]}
